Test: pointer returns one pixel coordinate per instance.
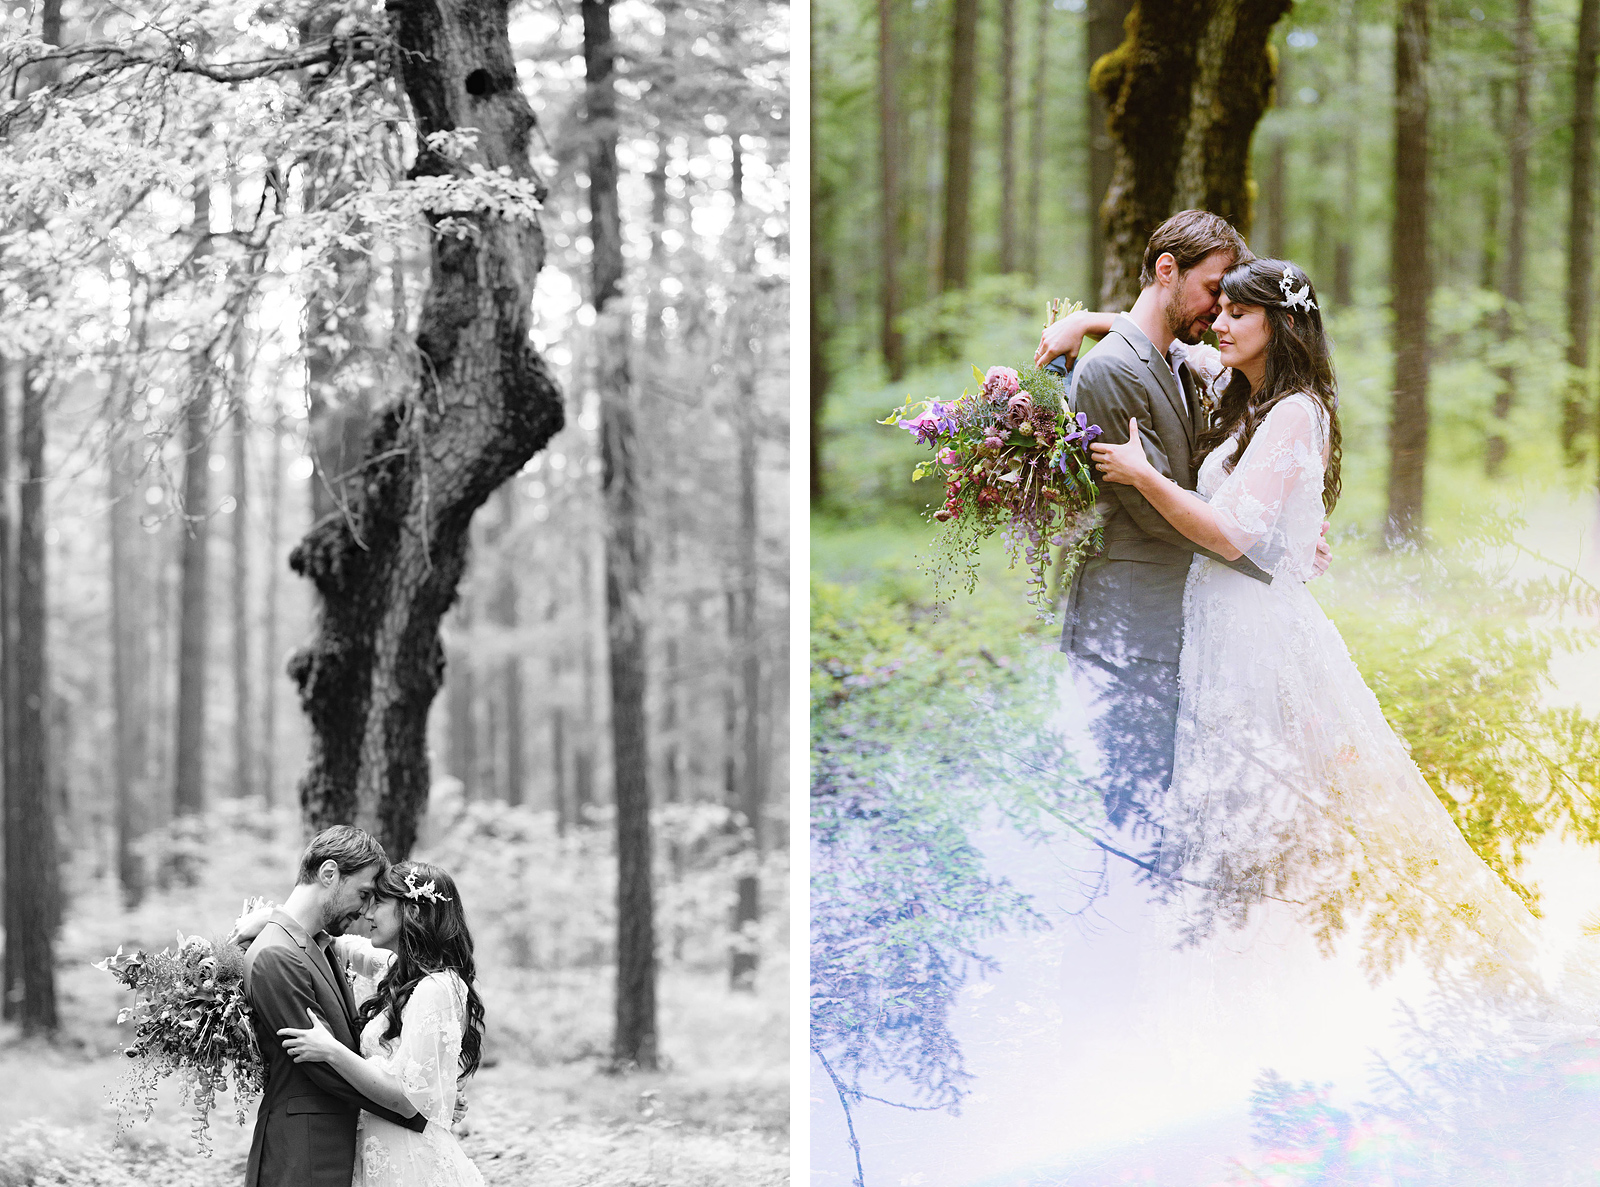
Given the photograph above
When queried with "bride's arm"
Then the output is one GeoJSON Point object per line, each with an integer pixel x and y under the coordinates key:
{"type": "Point", "coordinates": [1065, 336]}
{"type": "Point", "coordinates": [362, 957]}
{"type": "Point", "coordinates": [315, 1045]}
{"type": "Point", "coordinates": [1184, 510]}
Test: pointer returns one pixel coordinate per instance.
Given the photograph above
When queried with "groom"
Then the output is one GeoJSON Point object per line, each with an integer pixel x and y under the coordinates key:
{"type": "Point", "coordinates": [1124, 614]}
{"type": "Point", "coordinates": [306, 1128]}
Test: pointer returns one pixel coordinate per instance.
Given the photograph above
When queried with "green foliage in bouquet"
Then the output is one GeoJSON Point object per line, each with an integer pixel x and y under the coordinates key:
{"type": "Point", "coordinates": [191, 1019]}
{"type": "Point", "coordinates": [1014, 458]}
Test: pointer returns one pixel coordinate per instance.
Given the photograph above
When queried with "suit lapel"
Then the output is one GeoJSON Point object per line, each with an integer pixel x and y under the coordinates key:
{"type": "Point", "coordinates": [1159, 371]}
{"type": "Point", "coordinates": [320, 964]}
{"type": "Point", "coordinates": [1197, 416]}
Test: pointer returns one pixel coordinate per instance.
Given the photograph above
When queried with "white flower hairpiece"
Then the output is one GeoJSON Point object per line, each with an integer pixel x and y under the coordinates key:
{"type": "Point", "coordinates": [1296, 298]}
{"type": "Point", "coordinates": [426, 891]}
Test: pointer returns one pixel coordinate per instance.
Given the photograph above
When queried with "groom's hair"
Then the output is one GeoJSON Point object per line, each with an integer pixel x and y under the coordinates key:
{"type": "Point", "coordinates": [1191, 236]}
{"type": "Point", "coordinates": [349, 848]}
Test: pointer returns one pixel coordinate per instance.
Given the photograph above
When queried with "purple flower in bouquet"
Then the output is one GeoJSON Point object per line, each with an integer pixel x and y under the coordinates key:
{"type": "Point", "coordinates": [924, 427]}
{"type": "Point", "coordinates": [1080, 432]}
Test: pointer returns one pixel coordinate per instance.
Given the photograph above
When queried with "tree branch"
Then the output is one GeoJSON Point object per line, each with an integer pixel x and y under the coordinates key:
{"type": "Point", "coordinates": [109, 57]}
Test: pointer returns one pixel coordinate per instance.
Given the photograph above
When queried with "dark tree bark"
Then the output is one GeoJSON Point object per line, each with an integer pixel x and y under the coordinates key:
{"type": "Point", "coordinates": [1102, 36]}
{"type": "Point", "coordinates": [1186, 89]}
{"type": "Point", "coordinates": [1036, 153]}
{"type": "Point", "coordinates": [1519, 141]}
{"type": "Point", "coordinates": [821, 302]}
{"type": "Point", "coordinates": [1410, 275]}
{"type": "Point", "coordinates": [32, 874]}
{"type": "Point", "coordinates": [634, 1039]}
{"type": "Point", "coordinates": [485, 401]}
{"type": "Point", "coordinates": [194, 608]}
{"type": "Point", "coordinates": [1577, 391]}
{"type": "Point", "coordinates": [656, 302]}
{"type": "Point", "coordinates": [958, 146]}
{"type": "Point", "coordinates": [1344, 250]}
{"type": "Point", "coordinates": [1008, 136]}
{"type": "Point", "coordinates": [893, 342]}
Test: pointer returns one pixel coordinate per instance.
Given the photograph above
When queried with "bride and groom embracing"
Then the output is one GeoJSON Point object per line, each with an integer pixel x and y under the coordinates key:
{"type": "Point", "coordinates": [1239, 751]}
{"type": "Point", "coordinates": [361, 1093]}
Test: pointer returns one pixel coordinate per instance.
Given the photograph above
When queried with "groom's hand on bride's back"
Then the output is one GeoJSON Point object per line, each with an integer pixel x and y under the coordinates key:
{"type": "Point", "coordinates": [1324, 556]}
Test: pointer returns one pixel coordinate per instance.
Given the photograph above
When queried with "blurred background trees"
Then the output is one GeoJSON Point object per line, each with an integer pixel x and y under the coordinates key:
{"type": "Point", "coordinates": [220, 230]}
{"type": "Point", "coordinates": [1429, 163]}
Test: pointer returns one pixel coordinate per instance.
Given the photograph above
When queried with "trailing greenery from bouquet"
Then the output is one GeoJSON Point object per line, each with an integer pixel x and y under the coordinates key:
{"type": "Point", "coordinates": [191, 1019]}
{"type": "Point", "coordinates": [1014, 458]}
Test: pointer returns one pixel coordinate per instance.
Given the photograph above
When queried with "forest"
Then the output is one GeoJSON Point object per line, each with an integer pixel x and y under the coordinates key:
{"type": "Point", "coordinates": [395, 432]}
{"type": "Point", "coordinates": [1430, 165]}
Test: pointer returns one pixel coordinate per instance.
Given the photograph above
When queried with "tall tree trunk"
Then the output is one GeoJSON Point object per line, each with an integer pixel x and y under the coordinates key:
{"type": "Point", "coordinates": [503, 613]}
{"type": "Point", "coordinates": [244, 764]}
{"type": "Point", "coordinates": [821, 300]}
{"type": "Point", "coordinates": [1102, 36]}
{"type": "Point", "coordinates": [1410, 277]}
{"type": "Point", "coordinates": [272, 671]}
{"type": "Point", "coordinates": [1519, 142]}
{"type": "Point", "coordinates": [958, 146]}
{"type": "Point", "coordinates": [130, 659]}
{"type": "Point", "coordinates": [656, 302]}
{"type": "Point", "coordinates": [1186, 89]}
{"type": "Point", "coordinates": [484, 403]}
{"type": "Point", "coordinates": [194, 614]}
{"type": "Point", "coordinates": [461, 698]}
{"type": "Point", "coordinates": [1275, 190]}
{"type": "Point", "coordinates": [32, 873]}
{"type": "Point", "coordinates": [11, 381]}
{"type": "Point", "coordinates": [1344, 251]}
{"type": "Point", "coordinates": [889, 174]}
{"type": "Point", "coordinates": [1577, 391]}
{"type": "Point", "coordinates": [1008, 136]}
{"type": "Point", "coordinates": [634, 1040]}
{"type": "Point", "coordinates": [1036, 151]}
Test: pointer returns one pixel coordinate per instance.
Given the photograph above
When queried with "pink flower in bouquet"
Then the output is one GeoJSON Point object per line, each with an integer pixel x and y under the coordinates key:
{"type": "Point", "coordinates": [1000, 382]}
{"type": "Point", "coordinates": [949, 457]}
{"type": "Point", "coordinates": [1019, 408]}
{"type": "Point", "coordinates": [924, 427]}
{"type": "Point", "coordinates": [994, 444]}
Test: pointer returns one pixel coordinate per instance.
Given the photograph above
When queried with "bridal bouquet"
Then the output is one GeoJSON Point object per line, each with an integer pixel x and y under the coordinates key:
{"type": "Point", "coordinates": [1015, 459]}
{"type": "Point", "coordinates": [191, 1019]}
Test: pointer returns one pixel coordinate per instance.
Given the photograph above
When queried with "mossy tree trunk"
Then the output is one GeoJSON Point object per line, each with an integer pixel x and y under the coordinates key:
{"type": "Point", "coordinates": [1185, 91]}
{"type": "Point", "coordinates": [1577, 391]}
{"type": "Point", "coordinates": [388, 566]}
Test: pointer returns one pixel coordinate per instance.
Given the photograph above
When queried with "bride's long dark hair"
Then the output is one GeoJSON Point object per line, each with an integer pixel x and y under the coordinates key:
{"type": "Point", "coordinates": [433, 938]}
{"type": "Point", "coordinates": [1298, 360]}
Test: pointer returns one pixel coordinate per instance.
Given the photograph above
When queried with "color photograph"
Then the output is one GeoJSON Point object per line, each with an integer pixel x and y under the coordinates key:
{"type": "Point", "coordinates": [1205, 732]}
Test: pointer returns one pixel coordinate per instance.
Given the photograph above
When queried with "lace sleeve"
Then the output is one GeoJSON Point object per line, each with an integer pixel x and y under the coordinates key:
{"type": "Point", "coordinates": [1206, 362]}
{"type": "Point", "coordinates": [358, 955]}
{"type": "Point", "coordinates": [427, 1058]}
{"type": "Point", "coordinates": [1270, 506]}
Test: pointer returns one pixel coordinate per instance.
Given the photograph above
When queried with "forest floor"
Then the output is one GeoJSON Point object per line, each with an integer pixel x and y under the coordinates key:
{"type": "Point", "coordinates": [718, 1115]}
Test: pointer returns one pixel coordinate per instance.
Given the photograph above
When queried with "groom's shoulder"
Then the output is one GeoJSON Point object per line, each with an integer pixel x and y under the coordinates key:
{"type": "Point", "coordinates": [269, 954]}
{"type": "Point", "coordinates": [1113, 358]}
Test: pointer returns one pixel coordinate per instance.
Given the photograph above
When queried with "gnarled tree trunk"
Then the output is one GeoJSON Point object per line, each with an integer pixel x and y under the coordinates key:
{"type": "Point", "coordinates": [1576, 391]}
{"type": "Point", "coordinates": [1186, 88]}
{"type": "Point", "coordinates": [484, 403]}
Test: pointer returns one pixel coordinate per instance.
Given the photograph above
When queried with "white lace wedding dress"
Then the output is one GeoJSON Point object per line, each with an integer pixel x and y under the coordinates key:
{"type": "Point", "coordinates": [1288, 785]}
{"type": "Point", "coordinates": [426, 1059]}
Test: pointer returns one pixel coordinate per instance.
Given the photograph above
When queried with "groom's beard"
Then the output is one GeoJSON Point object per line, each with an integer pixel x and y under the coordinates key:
{"type": "Point", "coordinates": [1181, 324]}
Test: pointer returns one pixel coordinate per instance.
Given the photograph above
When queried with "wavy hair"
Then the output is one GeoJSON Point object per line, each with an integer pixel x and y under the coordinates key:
{"type": "Point", "coordinates": [1298, 360]}
{"type": "Point", "coordinates": [433, 939]}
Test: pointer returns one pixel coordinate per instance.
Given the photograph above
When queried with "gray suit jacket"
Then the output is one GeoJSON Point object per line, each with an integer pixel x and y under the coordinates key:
{"type": "Point", "coordinates": [1127, 602]}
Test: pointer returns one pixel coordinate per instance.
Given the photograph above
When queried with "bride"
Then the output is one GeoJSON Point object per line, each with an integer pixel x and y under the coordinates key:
{"type": "Point", "coordinates": [1288, 785]}
{"type": "Point", "coordinates": [422, 1027]}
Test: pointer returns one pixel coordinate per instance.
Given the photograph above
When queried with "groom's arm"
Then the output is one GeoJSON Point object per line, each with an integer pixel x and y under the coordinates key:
{"type": "Point", "coordinates": [283, 994]}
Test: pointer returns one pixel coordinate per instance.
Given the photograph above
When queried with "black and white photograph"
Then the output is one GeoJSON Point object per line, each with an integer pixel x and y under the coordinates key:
{"type": "Point", "coordinates": [395, 531]}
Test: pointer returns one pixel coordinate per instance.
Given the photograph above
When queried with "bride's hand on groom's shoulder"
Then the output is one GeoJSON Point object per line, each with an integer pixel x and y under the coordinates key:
{"type": "Point", "coordinates": [1061, 338]}
{"type": "Point", "coordinates": [248, 926]}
